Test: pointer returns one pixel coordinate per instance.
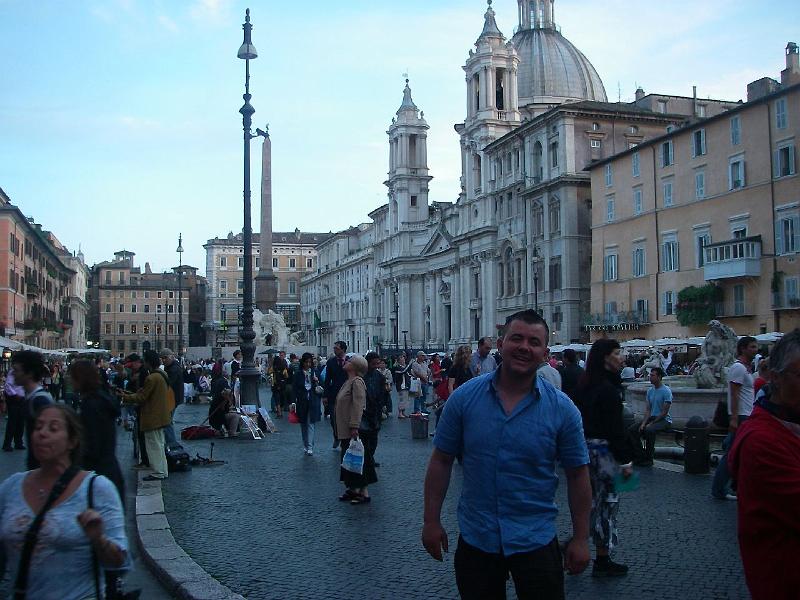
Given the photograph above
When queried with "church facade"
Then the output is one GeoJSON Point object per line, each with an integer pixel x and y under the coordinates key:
{"type": "Point", "coordinates": [429, 274]}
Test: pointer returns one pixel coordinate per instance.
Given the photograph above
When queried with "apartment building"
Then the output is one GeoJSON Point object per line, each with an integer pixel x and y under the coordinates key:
{"type": "Point", "coordinates": [711, 209]}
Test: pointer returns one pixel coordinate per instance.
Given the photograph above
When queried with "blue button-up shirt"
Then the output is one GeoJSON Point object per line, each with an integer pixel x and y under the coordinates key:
{"type": "Point", "coordinates": [507, 500]}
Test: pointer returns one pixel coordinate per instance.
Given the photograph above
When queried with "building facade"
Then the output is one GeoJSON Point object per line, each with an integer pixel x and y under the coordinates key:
{"type": "Point", "coordinates": [134, 310]}
{"type": "Point", "coordinates": [293, 255]}
{"type": "Point", "coordinates": [43, 285]}
{"type": "Point", "coordinates": [710, 209]}
{"type": "Point", "coordinates": [519, 233]}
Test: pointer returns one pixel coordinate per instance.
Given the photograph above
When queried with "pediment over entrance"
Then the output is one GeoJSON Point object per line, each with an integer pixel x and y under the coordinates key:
{"type": "Point", "coordinates": [439, 241]}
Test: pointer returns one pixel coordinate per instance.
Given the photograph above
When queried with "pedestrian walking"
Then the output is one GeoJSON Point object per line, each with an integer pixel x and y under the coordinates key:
{"type": "Point", "coordinates": [422, 373]}
{"type": "Point", "coordinates": [15, 407]}
{"type": "Point", "coordinates": [741, 397]}
{"type": "Point", "coordinates": [599, 398]}
{"type": "Point", "coordinates": [57, 519]}
{"type": "Point", "coordinates": [308, 405]}
{"type": "Point", "coordinates": [350, 404]}
{"type": "Point", "coordinates": [460, 372]}
{"type": "Point", "coordinates": [29, 371]}
{"type": "Point", "coordinates": [510, 427]}
{"type": "Point", "coordinates": [765, 462]}
{"type": "Point", "coordinates": [174, 373]}
{"type": "Point", "coordinates": [402, 381]}
{"type": "Point", "coordinates": [335, 377]}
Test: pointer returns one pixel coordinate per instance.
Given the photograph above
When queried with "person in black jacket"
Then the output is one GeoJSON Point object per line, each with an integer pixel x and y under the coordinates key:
{"type": "Point", "coordinates": [334, 380]}
{"type": "Point", "coordinates": [175, 376]}
{"type": "Point", "coordinates": [599, 398]}
{"type": "Point", "coordinates": [308, 406]}
{"type": "Point", "coordinates": [99, 414]}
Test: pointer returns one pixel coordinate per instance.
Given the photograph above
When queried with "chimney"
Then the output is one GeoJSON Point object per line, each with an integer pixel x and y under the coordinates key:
{"type": "Point", "coordinates": [639, 93]}
{"type": "Point", "coordinates": [694, 100]}
{"type": "Point", "coordinates": [791, 74]}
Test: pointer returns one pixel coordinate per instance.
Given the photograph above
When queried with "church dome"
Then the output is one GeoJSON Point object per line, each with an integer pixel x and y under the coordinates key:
{"type": "Point", "coordinates": [551, 68]}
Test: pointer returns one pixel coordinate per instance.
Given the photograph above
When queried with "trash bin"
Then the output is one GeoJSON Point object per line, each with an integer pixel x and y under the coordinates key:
{"type": "Point", "coordinates": [419, 426]}
{"type": "Point", "coordinates": [695, 446]}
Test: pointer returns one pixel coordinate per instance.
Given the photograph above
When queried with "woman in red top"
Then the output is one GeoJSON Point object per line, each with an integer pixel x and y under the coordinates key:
{"type": "Point", "coordinates": [765, 462]}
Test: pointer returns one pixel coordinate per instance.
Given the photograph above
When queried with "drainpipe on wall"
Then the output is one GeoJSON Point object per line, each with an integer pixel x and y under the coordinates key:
{"type": "Point", "coordinates": [776, 310]}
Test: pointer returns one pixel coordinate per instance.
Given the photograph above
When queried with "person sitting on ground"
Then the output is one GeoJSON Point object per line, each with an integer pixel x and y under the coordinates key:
{"type": "Point", "coordinates": [656, 418]}
{"type": "Point", "coordinates": [48, 535]}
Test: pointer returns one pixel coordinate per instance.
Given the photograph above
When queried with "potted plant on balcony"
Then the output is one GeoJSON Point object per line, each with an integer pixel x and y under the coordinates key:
{"type": "Point", "coordinates": [697, 305]}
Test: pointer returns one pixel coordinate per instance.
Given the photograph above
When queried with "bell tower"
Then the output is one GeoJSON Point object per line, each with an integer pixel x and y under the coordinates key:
{"type": "Point", "coordinates": [408, 165]}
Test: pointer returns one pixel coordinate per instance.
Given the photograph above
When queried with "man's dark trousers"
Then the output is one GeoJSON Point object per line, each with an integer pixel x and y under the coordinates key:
{"type": "Point", "coordinates": [15, 427]}
{"type": "Point", "coordinates": [538, 575]}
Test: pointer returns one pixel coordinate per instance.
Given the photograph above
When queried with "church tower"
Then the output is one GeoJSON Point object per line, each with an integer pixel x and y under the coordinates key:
{"type": "Point", "coordinates": [492, 106]}
{"type": "Point", "coordinates": [408, 165]}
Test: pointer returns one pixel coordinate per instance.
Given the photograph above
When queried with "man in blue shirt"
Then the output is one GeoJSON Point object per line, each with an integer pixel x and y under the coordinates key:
{"type": "Point", "coordinates": [510, 428]}
{"type": "Point", "coordinates": [656, 418]}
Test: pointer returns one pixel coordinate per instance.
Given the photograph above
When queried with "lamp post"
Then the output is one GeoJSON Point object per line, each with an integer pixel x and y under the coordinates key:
{"type": "Point", "coordinates": [179, 250]}
{"type": "Point", "coordinates": [248, 374]}
{"type": "Point", "coordinates": [166, 312]}
{"type": "Point", "coordinates": [405, 342]}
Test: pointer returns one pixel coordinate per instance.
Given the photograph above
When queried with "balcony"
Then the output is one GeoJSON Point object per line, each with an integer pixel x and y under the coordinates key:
{"type": "Point", "coordinates": [31, 288]}
{"type": "Point", "coordinates": [350, 322]}
{"type": "Point", "coordinates": [619, 321]}
{"type": "Point", "coordinates": [733, 258]}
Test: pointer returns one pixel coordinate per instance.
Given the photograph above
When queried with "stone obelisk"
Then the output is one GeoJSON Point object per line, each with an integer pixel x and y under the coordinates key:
{"type": "Point", "coordinates": [266, 282]}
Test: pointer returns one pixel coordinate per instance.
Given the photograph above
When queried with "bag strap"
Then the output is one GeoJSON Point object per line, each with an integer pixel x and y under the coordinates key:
{"type": "Point", "coordinates": [21, 583]}
{"type": "Point", "coordinates": [95, 562]}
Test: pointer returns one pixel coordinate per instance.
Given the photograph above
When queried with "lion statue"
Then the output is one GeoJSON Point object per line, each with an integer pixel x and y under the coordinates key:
{"type": "Point", "coordinates": [717, 354]}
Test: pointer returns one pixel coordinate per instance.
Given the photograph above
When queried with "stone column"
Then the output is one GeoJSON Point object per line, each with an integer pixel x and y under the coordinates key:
{"type": "Point", "coordinates": [266, 292]}
{"type": "Point", "coordinates": [435, 306]}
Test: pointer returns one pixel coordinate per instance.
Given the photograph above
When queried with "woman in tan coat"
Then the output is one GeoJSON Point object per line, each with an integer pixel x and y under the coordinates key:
{"type": "Point", "coordinates": [350, 402]}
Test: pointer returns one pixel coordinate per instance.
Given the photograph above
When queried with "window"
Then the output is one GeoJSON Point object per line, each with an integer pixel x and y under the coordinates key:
{"type": "Point", "coordinates": [739, 233]}
{"type": "Point", "coordinates": [223, 285]}
{"type": "Point", "coordinates": [108, 328]}
{"type": "Point", "coordinates": [669, 303]}
{"type": "Point", "coordinates": [667, 193]}
{"type": "Point", "coordinates": [223, 261]}
{"type": "Point", "coordinates": [122, 277]}
{"type": "Point", "coordinates": [274, 263]}
{"type": "Point", "coordinates": [240, 288]}
{"type": "Point", "coordinates": [639, 265]}
{"type": "Point", "coordinates": [667, 155]}
{"type": "Point", "coordinates": [121, 328]}
{"type": "Point", "coordinates": [594, 143]}
{"type": "Point", "coordinates": [635, 164]}
{"type": "Point", "coordinates": [699, 143]}
{"type": "Point", "coordinates": [309, 263]}
{"type": "Point", "coordinates": [609, 175]}
{"type": "Point", "coordinates": [790, 288]}
{"type": "Point", "coordinates": [133, 308]}
{"type": "Point", "coordinates": [780, 113]}
{"type": "Point", "coordinates": [701, 110]}
{"type": "Point", "coordinates": [240, 262]}
{"type": "Point", "coordinates": [413, 200]}
{"type": "Point", "coordinates": [787, 231]}
{"type": "Point", "coordinates": [171, 295]}
{"type": "Point", "coordinates": [133, 294]}
{"type": "Point", "coordinates": [159, 295]}
{"type": "Point", "coordinates": [784, 161]}
{"type": "Point", "coordinates": [610, 267]}
{"type": "Point", "coordinates": [555, 273]}
{"type": "Point", "coordinates": [121, 345]}
{"type": "Point", "coordinates": [643, 310]}
{"type": "Point", "coordinates": [146, 329]}
{"type": "Point", "coordinates": [610, 308]}
{"type": "Point", "coordinates": [610, 209]}
{"type": "Point", "coordinates": [292, 263]}
{"type": "Point", "coordinates": [736, 173]}
{"type": "Point", "coordinates": [702, 240]}
{"type": "Point", "coordinates": [133, 328]}
{"type": "Point", "coordinates": [171, 328]}
{"type": "Point", "coordinates": [738, 300]}
{"type": "Point", "coordinates": [258, 262]}
{"type": "Point", "coordinates": [122, 308]}
{"type": "Point", "coordinates": [662, 106]}
{"type": "Point", "coordinates": [669, 254]}
{"type": "Point", "coordinates": [170, 308]}
{"type": "Point", "coordinates": [637, 201]}
{"type": "Point", "coordinates": [554, 155]}
{"type": "Point", "coordinates": [736, 131]}
{"type": "Point", "coordinates": [555, 217]}
{"type": "Point", "coordinates": [159, 309]}
{"type": "Point", "coordinates": [108, 308]}
{"type": "Point", "coordinates": [700, 185]}
{"type": "Point", "coordinates": [292, 287]}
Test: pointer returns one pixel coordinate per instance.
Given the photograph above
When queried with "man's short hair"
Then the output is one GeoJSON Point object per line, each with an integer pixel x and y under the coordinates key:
{"type": "Point", "coordinates": [569, 356]}
{"type": "Point", "coordinates": [658, 370]}
{"type": "Point", "coordinates": [743, 343]}
{"type": "Point", "coordinates": [484, 340]}
{"type": "Point", "coordinates": [371, 356]}
{"type": "Point", "coordinates": [342, 345]}
{"type": "Point", "coordinates": [166, 352]}
{"type": "Point", "coordinates": [531, 317]}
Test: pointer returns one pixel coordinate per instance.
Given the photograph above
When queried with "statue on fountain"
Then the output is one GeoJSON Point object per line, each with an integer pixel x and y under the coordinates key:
{"type": "Point", "coordinates": [271, 330]}
{"type": "Point", "coordinates": [718, 353]}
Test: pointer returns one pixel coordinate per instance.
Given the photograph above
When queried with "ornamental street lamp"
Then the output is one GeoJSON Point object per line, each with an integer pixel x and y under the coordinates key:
{"type": "Point", "coordinates": [179, 250]}
{"type": "Point", "coordinates": [536, 278]}
{"type": "Point", "coordinates": [405, 342]}
{"type": "Point", "coordinates": [249, 374]}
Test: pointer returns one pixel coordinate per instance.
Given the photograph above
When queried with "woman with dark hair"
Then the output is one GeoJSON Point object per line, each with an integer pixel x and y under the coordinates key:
{"type": "Point", "coordinates": [99, 413]}
{"type": "Point", "coordinates": [29, 371]}
{"type": "Point", "coordinates": [308, 405]}
{"type": "Point", "coordinates": [459, 373]}
{"type": "Point", "coordinates": [599, 398]}
{"type": "Point", "coordinates": [57, 520]}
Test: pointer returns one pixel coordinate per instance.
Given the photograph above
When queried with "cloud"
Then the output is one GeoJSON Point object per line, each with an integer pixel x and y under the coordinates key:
{"type": "Point", "coordinates": [167, 23]}
{"type": "Point", "coordinates": [214, 12]}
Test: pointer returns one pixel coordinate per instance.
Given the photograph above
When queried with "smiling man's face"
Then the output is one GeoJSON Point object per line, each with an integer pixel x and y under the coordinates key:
{"type": "Point", "coordinates": [523, 347]}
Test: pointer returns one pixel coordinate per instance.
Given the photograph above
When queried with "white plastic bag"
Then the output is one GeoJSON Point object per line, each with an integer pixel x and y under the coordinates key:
{"type": "Point", "coordinates": [415, 387]}
{"type": "Point", "coordinates": [353, 459]}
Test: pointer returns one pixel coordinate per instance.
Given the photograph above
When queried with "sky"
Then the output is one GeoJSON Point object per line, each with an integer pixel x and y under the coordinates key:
{"type": "Point", "coordinates": [119, 122]}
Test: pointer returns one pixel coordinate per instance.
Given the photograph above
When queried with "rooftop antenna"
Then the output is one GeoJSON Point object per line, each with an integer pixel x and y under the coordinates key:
{"type": "Point", "coordinates": [619, 92]}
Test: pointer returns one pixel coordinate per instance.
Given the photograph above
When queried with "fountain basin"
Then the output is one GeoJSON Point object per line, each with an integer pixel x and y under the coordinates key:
{"type": "Point", "coordinates": [687, 400]}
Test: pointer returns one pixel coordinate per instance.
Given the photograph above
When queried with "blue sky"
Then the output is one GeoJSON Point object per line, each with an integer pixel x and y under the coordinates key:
{"type": "Point", "coordinates": [119, 122]}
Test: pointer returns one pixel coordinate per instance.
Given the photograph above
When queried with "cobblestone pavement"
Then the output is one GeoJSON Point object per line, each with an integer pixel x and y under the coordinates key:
{"type": "Point", "coordinates": [268, 525]}
{"type": "Point", "coordinates": [139, 578]}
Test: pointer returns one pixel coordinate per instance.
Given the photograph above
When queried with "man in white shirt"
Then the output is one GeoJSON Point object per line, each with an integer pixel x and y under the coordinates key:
{"type": "Point", "coordinates": [740, 405]}
{"type": "Point", "coordinates": [547, 372]}
{"type": "Point", "coordinates": [482, 360]}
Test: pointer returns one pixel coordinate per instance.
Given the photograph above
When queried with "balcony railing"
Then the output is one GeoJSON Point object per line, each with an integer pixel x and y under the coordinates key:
{"type": "Point", "coordinates": [618, 321]}
{"type": "Point", "coordinates": [349, 321]}
{"type": "Point", "coordinates": [733, 258]}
